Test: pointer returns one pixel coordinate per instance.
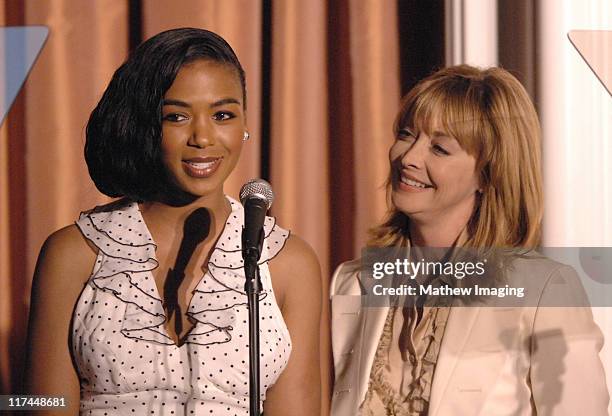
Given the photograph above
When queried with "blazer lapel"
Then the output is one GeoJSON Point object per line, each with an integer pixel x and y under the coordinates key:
{"type": "Point", "coordinates": [458, 329]}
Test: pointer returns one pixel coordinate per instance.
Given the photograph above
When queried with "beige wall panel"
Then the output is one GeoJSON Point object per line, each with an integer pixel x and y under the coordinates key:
{"type": "Point", "coordinates": [376, 94]}
{"type": "Point", "coordinates": [299, 121]}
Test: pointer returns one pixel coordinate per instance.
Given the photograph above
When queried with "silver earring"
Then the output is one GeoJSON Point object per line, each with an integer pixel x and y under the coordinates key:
{"type": "Point", "coordinates": [246, 136]}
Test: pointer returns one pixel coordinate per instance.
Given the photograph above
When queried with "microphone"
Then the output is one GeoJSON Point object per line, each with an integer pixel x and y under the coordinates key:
{"type": "Point", "coordinates": [256, 196]}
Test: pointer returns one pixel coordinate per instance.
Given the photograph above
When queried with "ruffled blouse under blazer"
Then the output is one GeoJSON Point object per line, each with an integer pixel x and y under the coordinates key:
{"type": "Point", "coordinates": [127, 362]}
{"type": "Point", "coordinates": [492, 360]}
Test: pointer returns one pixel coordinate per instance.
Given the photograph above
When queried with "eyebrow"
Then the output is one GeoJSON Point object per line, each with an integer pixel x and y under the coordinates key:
{"type": "Point", "coordinates": [441, 135]}
{"type": "Point", "coordinates": [179, 103]}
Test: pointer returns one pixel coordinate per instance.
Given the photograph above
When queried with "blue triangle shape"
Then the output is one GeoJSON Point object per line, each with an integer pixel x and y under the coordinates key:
{"type": "Point", "coordinates": [19, 48]}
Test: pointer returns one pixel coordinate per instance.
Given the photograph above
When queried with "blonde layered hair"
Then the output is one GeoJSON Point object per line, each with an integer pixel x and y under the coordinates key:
{"type": "Point", "coordinates": [492, 117]}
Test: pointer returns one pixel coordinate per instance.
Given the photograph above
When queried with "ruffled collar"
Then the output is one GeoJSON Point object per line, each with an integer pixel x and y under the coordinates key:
{"type": "Point", "coordinates": [127, 257]}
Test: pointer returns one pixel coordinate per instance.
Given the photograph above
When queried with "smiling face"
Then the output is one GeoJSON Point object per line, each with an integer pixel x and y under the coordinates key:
{"type": "Point", "coordinates": [203, 123]}
{"type": "Point", "coordinates": [433, 178]}
{"type": "Point", "coordinates": [467, 153]}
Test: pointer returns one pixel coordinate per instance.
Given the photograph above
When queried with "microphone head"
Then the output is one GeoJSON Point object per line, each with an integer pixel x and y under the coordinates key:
{"type": "Point", "coordinates": [258, 189]}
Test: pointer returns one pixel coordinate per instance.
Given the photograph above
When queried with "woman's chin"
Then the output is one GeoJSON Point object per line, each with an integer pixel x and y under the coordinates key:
{"type": "Point", "coordinates": [407, 204]}
{"type": "Point", "coordinates": [181, 193]}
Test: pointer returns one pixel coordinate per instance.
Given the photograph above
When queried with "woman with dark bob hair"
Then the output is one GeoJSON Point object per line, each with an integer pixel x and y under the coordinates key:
{"type": "Point", "coordinates": [139, 307]}
{"type": "Point", "coordinates": [464, 184]}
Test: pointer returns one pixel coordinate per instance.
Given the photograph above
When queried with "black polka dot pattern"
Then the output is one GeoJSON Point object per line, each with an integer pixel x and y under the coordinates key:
{"type": "Point", "coordinates": [127, 362]}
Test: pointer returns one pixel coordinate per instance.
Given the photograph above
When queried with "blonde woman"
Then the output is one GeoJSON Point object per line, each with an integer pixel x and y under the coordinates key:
{"type": "Point", "coordinates": [465, 172]}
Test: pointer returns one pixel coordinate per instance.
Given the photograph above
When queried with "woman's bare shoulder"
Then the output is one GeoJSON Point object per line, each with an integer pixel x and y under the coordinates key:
{"type": "Point", "coordinates": [66, 258]}
{"type": "Point", "coordinates": [69, 242]}
{"type": "Point", "coordinates": [296, 253]}
{"type": "Point", "coordinates": [295, 268]}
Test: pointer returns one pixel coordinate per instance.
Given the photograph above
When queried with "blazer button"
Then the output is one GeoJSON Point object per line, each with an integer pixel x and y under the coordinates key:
{"type": "Point", "coordinates": [349, 352]}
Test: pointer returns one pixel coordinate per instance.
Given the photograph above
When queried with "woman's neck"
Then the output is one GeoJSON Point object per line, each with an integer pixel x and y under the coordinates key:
{"type": "Point", "coordinates": [158, 214]}
{"type": "Point", "coordinates": [440, 233]}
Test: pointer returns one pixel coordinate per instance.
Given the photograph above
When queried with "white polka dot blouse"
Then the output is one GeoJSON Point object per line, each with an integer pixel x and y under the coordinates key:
{"type": "Point", "coordinates": [127, 362]}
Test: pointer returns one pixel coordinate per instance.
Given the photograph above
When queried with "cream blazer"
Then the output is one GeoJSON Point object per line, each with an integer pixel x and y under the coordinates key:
{"type": "Point", "coordinates": [532, 360]}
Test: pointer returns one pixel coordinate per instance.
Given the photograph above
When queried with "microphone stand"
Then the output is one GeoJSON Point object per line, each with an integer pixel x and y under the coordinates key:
{"type": "Point", "coordinates": [252, 287]}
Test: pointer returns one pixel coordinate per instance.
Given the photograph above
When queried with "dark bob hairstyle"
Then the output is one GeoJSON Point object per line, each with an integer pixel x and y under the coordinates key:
{"type": "Point", "coordinates": [122, 149]}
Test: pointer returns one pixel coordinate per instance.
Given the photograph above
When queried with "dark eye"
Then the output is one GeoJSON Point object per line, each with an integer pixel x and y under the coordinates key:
{"type": "Point", "coordinates": [405, 134]}
{"type": "Point", "coordinates": [440, 150]}
{"type": "Point", "coordinates": [223, 115]}
{"type": "Point", "coordinates": [174, 117]}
